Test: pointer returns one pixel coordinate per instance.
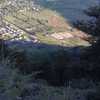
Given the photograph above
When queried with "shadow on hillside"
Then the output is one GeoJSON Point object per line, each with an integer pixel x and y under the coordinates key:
{"type": "Point", "coordinates": [56, 64]}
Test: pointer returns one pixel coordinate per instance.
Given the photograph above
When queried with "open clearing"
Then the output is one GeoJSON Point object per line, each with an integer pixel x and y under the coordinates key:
{"type": "Point", "coordinates": [44, 24]}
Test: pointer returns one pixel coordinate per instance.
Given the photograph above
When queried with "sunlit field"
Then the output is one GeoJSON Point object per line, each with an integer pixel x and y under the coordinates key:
{"type": "Point", "coordinates": [43, 24]}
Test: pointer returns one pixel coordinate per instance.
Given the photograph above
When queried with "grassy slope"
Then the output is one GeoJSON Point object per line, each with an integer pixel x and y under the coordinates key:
{"type": "Point", "coordinates": [42, 23]}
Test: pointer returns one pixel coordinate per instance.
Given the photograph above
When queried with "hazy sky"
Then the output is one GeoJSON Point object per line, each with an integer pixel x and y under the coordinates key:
{"type": "Point", "coordinates": [70, 9]}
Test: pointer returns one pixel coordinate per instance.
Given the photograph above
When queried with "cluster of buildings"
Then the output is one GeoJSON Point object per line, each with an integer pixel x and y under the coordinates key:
{"type": "Point", "coordinates": [12, 33]}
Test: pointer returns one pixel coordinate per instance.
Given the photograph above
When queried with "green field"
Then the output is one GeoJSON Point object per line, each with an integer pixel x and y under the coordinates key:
{"type": "Point", "coordinates": [40, 23]}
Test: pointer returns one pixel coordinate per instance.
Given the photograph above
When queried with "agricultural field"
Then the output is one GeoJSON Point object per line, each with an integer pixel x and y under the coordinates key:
{"type": "Point", "coordinates": [42, 23]}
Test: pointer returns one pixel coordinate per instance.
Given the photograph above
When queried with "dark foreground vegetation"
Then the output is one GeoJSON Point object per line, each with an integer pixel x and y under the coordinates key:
{"type": "Point", "coordinates": [92, 55]}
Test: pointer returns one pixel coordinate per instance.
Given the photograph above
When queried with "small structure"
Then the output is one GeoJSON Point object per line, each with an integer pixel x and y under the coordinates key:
{"type": "Point", "coordinates": [71, 34]}
{"type": "Point", "coordinates": [62, 36]}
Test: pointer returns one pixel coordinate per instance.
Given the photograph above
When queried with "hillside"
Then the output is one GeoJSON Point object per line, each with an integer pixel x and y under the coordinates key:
{"type": "Point", "coordinates": [42, 25]}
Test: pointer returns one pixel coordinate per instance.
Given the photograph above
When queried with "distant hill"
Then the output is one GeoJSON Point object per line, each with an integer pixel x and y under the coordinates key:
{"type": "Point", "coordinates": [70, 9]}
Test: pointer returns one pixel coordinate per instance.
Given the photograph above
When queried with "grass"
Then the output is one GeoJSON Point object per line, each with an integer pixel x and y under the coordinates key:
{"type": "Point", "coordinates": [47, 39]}
{"type": "Point", "coordinates": [67, 42]}
{"type": "Point", "coordinates": [41, 23]}
{"type": "Point", "coordinates": [34, 19]}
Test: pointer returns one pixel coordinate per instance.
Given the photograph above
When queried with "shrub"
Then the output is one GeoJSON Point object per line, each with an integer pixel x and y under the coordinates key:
{"type": "Point", "coordinates": [91, 26]}
{"type": "Point", "coordinates": [13, 83]}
